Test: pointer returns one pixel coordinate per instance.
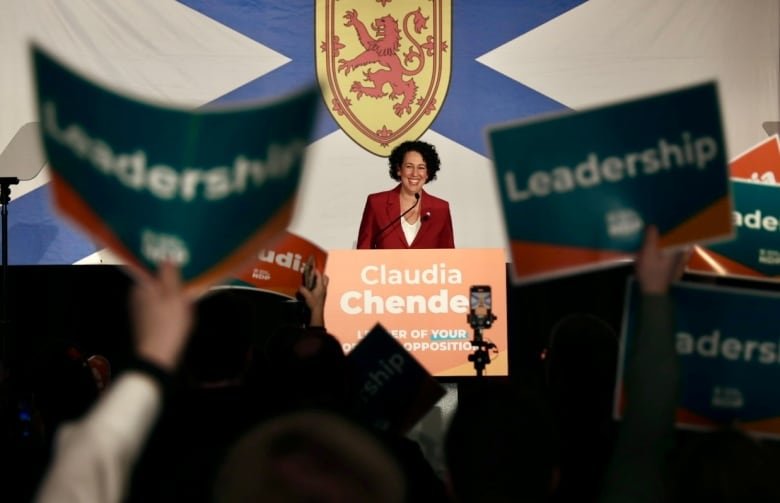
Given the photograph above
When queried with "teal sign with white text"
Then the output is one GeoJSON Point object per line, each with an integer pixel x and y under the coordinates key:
{"type": "Point", "coordinates": [577, 189]}
{"type": "Point", "coordinates": [202, 188]}
{"type": "Point", "coordinates": [729, 349]}
{"type": "Point", "coordinates": [757, 221]}
{"type": "Point", "coordinates": [394, 391]}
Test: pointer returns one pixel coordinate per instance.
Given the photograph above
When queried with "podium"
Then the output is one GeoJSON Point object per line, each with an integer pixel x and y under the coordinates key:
{"type": "Point", "coordinates": [422, 298]}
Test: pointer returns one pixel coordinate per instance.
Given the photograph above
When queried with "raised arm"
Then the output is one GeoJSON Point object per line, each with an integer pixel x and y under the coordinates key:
{"type": "Point", "coordinates": [652, 376]}
{"type": "Point", "coordinates": [94, 456]}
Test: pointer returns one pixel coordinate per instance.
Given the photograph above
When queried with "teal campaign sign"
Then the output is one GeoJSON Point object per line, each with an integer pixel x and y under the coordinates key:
{"type": "Point", "coordinates": [393, 390]}
{"type": "Point", "coordinates": [729, 349]}
{"type": "Point", "coordinates": [202, 188]}
{"type": "Point", "coordinates": [577, 189]}
{"type": "Point", "coordinates": [756, 247]}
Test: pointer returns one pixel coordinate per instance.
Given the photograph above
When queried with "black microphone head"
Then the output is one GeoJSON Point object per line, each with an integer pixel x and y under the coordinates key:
{"type": "Point", "coordinates": [417, 196]}
{"type": "Point", "coordinates": [426, 216]}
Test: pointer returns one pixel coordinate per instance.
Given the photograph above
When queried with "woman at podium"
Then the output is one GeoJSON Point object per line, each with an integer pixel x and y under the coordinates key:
{"type": "Point", "coordinates": [407, 216]}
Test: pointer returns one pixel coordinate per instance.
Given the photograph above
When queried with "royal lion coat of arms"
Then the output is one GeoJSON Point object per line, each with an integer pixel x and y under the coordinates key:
{"type": "Point", "coordinates": [384, 66]}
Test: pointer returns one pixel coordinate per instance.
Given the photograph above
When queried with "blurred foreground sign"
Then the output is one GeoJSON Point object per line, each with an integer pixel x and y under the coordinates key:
{"type": "Point", "coordinates": [279, 268]}
{"type": "Point", "coordinates": [393, 390]}
{"type": "Point", "coordinates": [760, 163]}
{"type": "Point", "coordinates": [754, 253]}
{"type": "Point", "coordinates": [729, 354]}
{"type": "Point", "coordinates": [577, 189]}
{"type": "Point", "coordinates": [205, 189]}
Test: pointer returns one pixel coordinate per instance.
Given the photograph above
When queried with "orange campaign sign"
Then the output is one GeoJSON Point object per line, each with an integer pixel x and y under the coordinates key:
{"type": "Point", "coordinates": [279, 268]}
{"type": "Point", "coordinates": [422, 298]}
{"type": "Point", "coordinates": [760, 163]}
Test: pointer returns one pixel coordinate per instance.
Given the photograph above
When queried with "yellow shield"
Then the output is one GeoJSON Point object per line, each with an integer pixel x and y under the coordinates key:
{"type": "Point", "coordinates": [384, 67]}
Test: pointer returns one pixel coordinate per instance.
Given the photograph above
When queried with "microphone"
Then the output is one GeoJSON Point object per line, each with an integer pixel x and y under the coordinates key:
{"type": "Point", "coordinates": [426, 216]}
{"type": "Point", "coordinates": [396, 220]}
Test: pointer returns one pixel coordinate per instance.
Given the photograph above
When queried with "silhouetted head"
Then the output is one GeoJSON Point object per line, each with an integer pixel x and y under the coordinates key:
{"type": "Point", "coordinates": [309, 457]}
{"type": "Point", "coordinates": [725, 466]}
{"type": "Point", "coordinates": [64, 384]}
{"type": "Point", "coordinates": [501, 446]}
{"type": "Point", "coordinates": [308, 369]}
{"type": "Point", "coordinates": [581, 364]}
{"type": "Point", "coordinates": [221, 343]}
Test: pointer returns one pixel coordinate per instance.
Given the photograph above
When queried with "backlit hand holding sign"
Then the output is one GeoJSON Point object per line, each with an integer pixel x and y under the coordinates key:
{"type": "Point", "coordinates": [647, 398]}
{"type": "Point", "coordinates": [163, 316]}
{"type": "Point", "coordinates": [655, 268]}
{"type": "Point", "coordinates": [315, 299]}
{"type": "Point", "coordinates": [202, 189]}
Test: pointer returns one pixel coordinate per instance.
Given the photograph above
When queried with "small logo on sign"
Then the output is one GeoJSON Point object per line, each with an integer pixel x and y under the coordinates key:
{"type": "Point", "coordinates": [768, 257]}
{"type": "Point", "coordinates": [160, 247]}
{"type": "Point", "coordinates": [623, 223]}
{"type": "Point", "coordinates": [727, 398]}
{"type": "Point", "coordinates": [768, 178]}
{"type": "Point", "coordinates": [261, 274]}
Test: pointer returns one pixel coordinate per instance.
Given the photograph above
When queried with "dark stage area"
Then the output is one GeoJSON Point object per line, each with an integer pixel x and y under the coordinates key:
{"type": "Point", "coordinates": [87, 305]}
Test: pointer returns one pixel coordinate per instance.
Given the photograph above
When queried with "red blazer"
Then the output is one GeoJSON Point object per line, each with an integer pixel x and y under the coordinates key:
{"type": "Point", "coordinates": [383, 207]}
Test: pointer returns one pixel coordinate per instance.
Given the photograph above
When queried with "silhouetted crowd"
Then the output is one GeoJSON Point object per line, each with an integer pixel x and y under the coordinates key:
{"type": "Point", "coordinates": [224, 401]}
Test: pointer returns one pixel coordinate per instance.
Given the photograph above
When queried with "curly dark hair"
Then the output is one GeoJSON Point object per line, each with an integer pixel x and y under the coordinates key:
{"type": "Point", "coordinates": [426, 150]}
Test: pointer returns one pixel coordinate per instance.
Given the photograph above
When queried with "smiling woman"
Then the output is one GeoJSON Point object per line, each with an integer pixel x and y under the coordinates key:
{"type": "Point", "coordinates": [407, 216]}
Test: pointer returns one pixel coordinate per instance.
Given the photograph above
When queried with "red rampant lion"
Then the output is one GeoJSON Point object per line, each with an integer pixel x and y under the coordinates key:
{"type": "Point", "coordinates": [383, 50]}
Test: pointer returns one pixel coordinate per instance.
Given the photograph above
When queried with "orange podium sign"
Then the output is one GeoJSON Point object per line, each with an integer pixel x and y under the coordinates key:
{"type": "Point", "coordinates": [278, 269]}
{"type": "Point", "coordinates": [422, 298]}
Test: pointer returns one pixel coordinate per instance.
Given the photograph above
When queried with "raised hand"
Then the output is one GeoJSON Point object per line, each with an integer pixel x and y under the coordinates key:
{"type": "Point", "coordinates": [315, 299]}
{"type": "Point", "coordinates": [656, 269]}
{"type": "Point", "coordinates": [162, 316]}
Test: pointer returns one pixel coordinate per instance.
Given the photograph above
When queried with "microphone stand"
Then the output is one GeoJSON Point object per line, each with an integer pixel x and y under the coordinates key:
{"type": "Point", "coordinates": [5, 325]}
{"type": "Point", "coordinates": [21, 159]}
{"type": "Point", "coordinates": [396, 220]}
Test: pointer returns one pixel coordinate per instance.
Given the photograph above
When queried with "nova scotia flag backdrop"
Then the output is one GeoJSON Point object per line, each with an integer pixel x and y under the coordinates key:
{"type": "Point", "coordinates": [511, 59]}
